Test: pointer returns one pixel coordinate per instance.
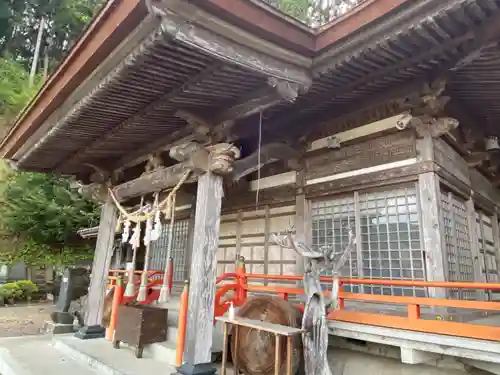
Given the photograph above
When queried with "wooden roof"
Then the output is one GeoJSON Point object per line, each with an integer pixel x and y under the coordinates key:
{"type": "Point", "coordinates": [117, 95]}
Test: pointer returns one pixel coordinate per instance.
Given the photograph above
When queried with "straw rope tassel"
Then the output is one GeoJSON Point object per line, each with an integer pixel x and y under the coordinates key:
{"type": "Point", "coordinates": [135, 241]}
{"type": "Point", "coordinates": [148, 239]}
{"type": "Point", "coordinates": [164, 291]}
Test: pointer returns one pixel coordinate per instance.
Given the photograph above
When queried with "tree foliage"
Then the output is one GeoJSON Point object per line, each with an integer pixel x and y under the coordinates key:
{"type": "Point", "coordinates": [43, 208]}
{"type": "Point", "coordinates": [15, 90]}
{"type": "Point", "coordinates": [39, 213]}
{"type": "Point", "coordinates": [315, 12]}
{"type": "Point", "coordinates": [20, 21]}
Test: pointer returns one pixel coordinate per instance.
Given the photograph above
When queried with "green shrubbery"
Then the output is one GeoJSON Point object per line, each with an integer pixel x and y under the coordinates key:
{"type": "Point", "coordinates": [19, 290]}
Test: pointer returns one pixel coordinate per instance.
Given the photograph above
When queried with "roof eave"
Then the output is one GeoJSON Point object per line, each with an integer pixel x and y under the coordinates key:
{"type": "Point", "coordinates": [109, 28]}
{"type": "Point", "coordinates": [116, 22]}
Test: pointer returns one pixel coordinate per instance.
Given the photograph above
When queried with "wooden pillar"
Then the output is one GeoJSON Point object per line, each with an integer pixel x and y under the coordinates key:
{"type": "Point", "coordinates": [431, 220]}
{"type": "Point", "coordinates": [100, 270]}
{"type": "Point", "coordinates": [303, 229]}
{"type": "Point", "coordinates": [189, 248]}
{"type": "Point", "coordinates": [477, 259]}
{"type": "Point", "coordinates": [496, 240]}
{"type": "Point", "coordinates": [200, 325]}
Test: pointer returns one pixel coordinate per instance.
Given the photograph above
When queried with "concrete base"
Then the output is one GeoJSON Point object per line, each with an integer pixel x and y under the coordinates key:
{"type": "Point", "coordinates": [62, 317]}
{"type": "Point", "coordinates": [198, 369]}
{"type": "Point", "coordinates": [52, 328]}
{"type": "Point", "coordinates": [91, 332]}
{"type": "Point", "coordinates": [65, 354]}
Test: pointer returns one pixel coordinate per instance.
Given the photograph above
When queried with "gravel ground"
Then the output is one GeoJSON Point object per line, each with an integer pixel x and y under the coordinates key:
{"type": "Point", "coordinates": [22, 320]}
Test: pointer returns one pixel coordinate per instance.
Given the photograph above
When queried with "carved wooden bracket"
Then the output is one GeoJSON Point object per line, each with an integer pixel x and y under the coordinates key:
{"type": "Point", "coordinates": [192, 156]}
{"type": "Point", "coordinates": [154, 162]}
{"type": "Point", "coordinates": [103, 176]}
{"type": "Point", "coordinates": [97, 192]}
{"type": "Point", "coordinates": [217, 158]}
{"type": "Point", "coordinates": [428, 102]}
{"type": "Point", "coordinates": [435, 126]}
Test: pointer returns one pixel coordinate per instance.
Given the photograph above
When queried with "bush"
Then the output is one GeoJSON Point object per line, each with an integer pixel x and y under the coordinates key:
{"type": "Point", "coordinates": [22, 289]}
{"type": "Point", "coordinates": [11, 291]}
{"type": "Point", "coordinates": [28, 288]}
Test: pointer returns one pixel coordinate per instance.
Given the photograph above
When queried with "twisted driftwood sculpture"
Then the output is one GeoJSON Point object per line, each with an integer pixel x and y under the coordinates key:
{"type": "Point", "coordinates": [315, 336]}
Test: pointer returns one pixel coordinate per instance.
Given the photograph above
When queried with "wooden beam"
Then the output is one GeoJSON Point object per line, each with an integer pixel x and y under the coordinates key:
{"type": "Point", "coordinates": [270, 95]}
{"type": "Point", "coordinates": [186, 29]}
{"type": "Point", "coordinates": [265, 97]}
{"type": "Point", "coordinates": [188, 134]}
{"type": "Point", "coordinates": [158, 180]}
{"type": "Point", "coordinates": [267, 154]}
{"type": "Point", "coordinates": [203, 262]}
{"type": "Point", "coordinates": [330, 120]}
{"type": "Point", "coordinates": [100, 270]}
{"type": "Point", "coordinates": [194, 157]}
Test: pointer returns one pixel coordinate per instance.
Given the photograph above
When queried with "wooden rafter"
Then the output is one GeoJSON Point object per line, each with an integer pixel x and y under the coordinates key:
{"type": "Point", "coordinates": [471, 41]}
{"type": "Point", "coordinates": [132, 120]}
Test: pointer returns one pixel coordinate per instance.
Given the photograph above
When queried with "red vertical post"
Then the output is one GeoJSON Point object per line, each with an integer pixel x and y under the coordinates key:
{"type": "Point", "coordinates": [170, 274]}
{"type": "Point", "coordinates": [340, 299]}
{"type": "Point", "coordinates": [117, 300]}
{"type": "Point", "coordinates": [241, 293]}
{"type": "Point", "coordinates": [181, 331]}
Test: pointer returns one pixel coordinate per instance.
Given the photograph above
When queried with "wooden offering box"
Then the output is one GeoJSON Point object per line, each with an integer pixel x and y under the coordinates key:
{"type": "Point", "coordinates": [140, 325]}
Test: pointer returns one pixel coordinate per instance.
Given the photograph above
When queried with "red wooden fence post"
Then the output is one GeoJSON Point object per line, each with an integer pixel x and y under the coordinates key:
{"type": "Point", "coordinates": [181, 331]}
{"type": "Point", "coordinates": [117, 300]}
{"type": "Point", "coordinates": [241, 293]}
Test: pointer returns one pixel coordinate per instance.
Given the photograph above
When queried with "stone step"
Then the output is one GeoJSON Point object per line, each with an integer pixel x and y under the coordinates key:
{"type": "Point", "coordinates": [99, 355]}
{"type": "Point", "coordinates": [35, 355]}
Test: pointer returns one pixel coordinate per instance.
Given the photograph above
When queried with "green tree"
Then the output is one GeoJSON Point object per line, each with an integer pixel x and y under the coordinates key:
{"type": "Point", "coordinates": [314, 12]}
{"type": "Point", "coordinates": [15, 91]}
{"type": "Point", "coordinates": [65, 20]}
{"type": "Point", "coordinates": [42, 213]}
{"type": "Point", "coordinates": [39, 213]}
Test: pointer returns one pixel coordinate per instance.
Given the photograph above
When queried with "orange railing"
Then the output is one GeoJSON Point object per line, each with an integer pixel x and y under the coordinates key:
{"type": "Point", "coordinates": [411, 321]}
{"type": "Point", "coordinates": [234, 288]}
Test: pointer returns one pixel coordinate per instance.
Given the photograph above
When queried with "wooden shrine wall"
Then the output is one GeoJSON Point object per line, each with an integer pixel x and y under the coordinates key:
{"type": "Point", "coordinates": [246, 233]}
{"type": "Point", "coordinates": [382, 166]}
{"type": "Point", "coordinates": [454, 172]}
{"type": "Point", "coordinates": [327, 172]}
{"type": "Point", "coordinates": [383, 159]}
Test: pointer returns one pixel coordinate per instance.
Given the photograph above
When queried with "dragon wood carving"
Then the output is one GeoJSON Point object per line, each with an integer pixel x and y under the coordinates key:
{"type": "Point", "coordinates": [314, 324]}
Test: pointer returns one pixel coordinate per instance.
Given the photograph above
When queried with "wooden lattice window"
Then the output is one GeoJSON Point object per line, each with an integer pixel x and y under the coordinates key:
{"type": "Point", "coordinates": [388, 230]}
{"type": "Point", "coordinates": [158, 254]}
